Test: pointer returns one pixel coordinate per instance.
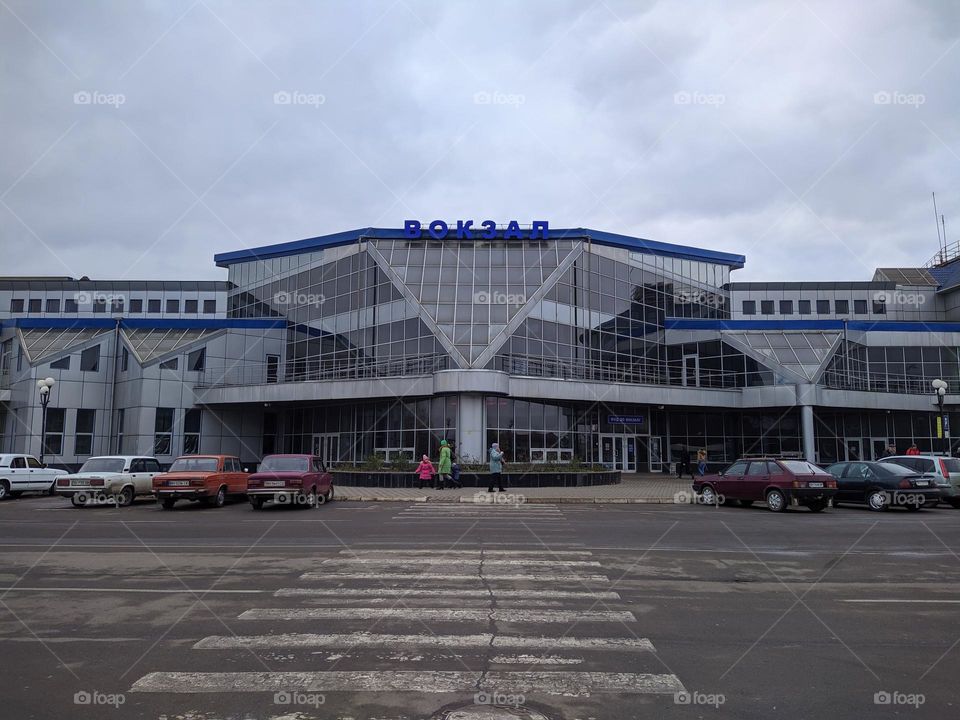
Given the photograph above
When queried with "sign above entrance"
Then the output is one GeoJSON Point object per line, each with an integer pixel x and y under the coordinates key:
{"type": "Point", "coordinates": [464, 230]}
{"type": "Point", "coordinates": [625, 419]}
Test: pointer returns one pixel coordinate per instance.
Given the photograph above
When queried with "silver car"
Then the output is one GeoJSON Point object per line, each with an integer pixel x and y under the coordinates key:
{"type": "Point", "coordinates": [943, 469]}
{"type": "Point", "coordinates": [110, 479]}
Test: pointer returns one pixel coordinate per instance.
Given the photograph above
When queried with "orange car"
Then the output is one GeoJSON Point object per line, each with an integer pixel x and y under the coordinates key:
{"type": "Point", "coordinates": [203, 478]}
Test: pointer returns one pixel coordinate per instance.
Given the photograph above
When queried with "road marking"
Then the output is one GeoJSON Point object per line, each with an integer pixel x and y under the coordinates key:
{"type": "Point", "coordinates": [545, 578]}
{"type": "Point", "coordinates": [437, 614]}
{"type": "Point", "coordinates": [534, 660]}
{"type": "Point", "coordinates": [158, 591]}
{"type": "Point", "coordinates": [894, 600]}
{"type": "Point", "coordinates": [460, 561]}
{"type": "Point", "coordinates": [570, 684]}
{"type": "Point", "coordinates": [366, 639]}
{"type": "Point", "coordinates": [441, 593]}
{"type": "Point", "coordinates": [457, 552]}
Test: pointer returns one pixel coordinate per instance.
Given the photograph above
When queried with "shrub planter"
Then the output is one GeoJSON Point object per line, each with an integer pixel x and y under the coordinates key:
{"type": "Point", "coordinates": [393, 479]}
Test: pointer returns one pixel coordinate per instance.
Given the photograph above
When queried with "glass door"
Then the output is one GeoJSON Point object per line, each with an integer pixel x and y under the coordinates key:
{"type": "Point", "coordinates": [879, 447]}
{"type": "Point", "coordinates": [854, 449]}
{"type": "Point", "coordinates": [326, 446]}
{"type": "Point", "coordinates": [691, 370]}
{"type": "Point", "coordinates": [656, 458]}
{"type": "Point", "coordinates": [619, 452]}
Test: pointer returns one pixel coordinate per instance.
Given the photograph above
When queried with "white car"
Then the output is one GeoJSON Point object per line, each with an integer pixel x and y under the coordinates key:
{"type": "Point", "coordinates": [110, 479]}
{"type": "Point", "coordinates": [20, 473]}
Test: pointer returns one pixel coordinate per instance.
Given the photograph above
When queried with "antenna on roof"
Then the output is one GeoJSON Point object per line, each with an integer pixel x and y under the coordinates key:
{"type": "Point", "coordinates": [935, 216]}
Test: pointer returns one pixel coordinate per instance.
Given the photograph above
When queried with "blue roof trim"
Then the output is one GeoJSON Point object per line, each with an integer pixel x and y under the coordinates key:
{"type": "Point", "coordinates": [601, 238]}
{"type": "Point", "coordinates": [861, 325]}
{"type": "Point", "coordinates": [145, 323]}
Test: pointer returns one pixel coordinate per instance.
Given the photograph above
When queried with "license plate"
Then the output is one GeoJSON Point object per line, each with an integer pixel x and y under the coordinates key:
{"type": "Point", "coordinates": [815, 484]}
{"type": "Point", "coordinates": [78, 482]}
{"type": "Point", "coordinates": [274, 483]}
{"type": "Point", "coordinates": [178, 483]}
{"type": "Point", "coordinates": [922, 483]}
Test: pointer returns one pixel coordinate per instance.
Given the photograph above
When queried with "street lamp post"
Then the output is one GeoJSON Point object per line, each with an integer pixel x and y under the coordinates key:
{"type": "Point", "coordinates": [940, 387]}
{"type": "Point", "coordinates": [44, 387]}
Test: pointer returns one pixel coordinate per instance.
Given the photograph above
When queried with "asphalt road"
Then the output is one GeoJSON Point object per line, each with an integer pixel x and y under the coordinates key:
{"type": "Point", "coordinates": [395, 611]}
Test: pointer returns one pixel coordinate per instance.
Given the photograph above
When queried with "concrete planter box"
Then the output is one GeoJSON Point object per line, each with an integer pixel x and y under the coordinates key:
{"type": "Point", "coordinates": [391, 479]}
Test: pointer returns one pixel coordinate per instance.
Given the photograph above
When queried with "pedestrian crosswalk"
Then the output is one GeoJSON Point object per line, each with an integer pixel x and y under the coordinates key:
{"type": "Point", "coordinates": [543, 624]}
{"type": "Point", "coordinates": [488, 509]}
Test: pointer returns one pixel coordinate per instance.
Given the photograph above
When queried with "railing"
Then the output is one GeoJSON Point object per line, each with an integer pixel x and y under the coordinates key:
{"type": "Point", "coordinates": [867, 382]}
{"type": "Point", "coordinates": [944, 255]}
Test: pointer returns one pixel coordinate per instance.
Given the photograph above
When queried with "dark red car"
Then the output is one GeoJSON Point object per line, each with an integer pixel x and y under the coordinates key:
{"type": "Point", "coordinates": [779, 483]}
{"type": "Point", "coordinates": [290, 480]}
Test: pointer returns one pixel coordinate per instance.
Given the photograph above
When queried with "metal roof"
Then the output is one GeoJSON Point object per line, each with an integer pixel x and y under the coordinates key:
{"type": "Point", "coordinates": [906, 276]}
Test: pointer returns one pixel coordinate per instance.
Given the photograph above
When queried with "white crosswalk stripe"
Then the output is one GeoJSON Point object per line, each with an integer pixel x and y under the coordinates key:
{"type": "Point", "coordinates": [438, 614]}
{"type": "Point", "coordinates": [446, 577]}
{"type": "Point", "coordinates": [500, 594]}
{"type": "Point", "coordinates": [529, 562]}
{"type": "Point", "coordinates": [471, 554]}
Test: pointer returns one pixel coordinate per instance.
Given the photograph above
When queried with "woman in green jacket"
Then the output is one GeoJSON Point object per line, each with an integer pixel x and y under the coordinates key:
{"type": "Point", "coordinates": [445, 466]}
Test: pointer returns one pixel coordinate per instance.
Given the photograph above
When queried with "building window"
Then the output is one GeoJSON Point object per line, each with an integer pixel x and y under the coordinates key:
{"type": "Point", "coordinates": [191, 431]}
{"type": "Point", "coordinates": [34, 306]}
{"type": "Point", "coordinates": [803, 307]}
{"type": "Point", "coordinates": [53, 433]}
{"type": "Point", "coordinates": [53, 305]}
{"type": "Point", "coordinates": [859, 307]}
{"type": "Point", "coordinates": [786, 307]}
{"type": "Point", "coordinates": [842, 307]}
{"type": "Point", "coordinates": [70, 305]}
{"type": "Point", "coordinates": [90, 359]}
{"type": "Point", "coordinates": [124, 359]}
{"type": "Point", "coordinates": [823, 307]}
{"type": "Point", "coordinates": [163, 431]}
{"type": "Point", "coordinates": [749, 307]}
{"type": "Point", "coordinates": [116, 306]}
{"type": "Point", "coordinates": [83, 440]}
{"type": "Point", "coordinates": [16, 305]}
{"type": "Point", "coordinates": [197, 360]}
{"type": "Point", "coordinates": [173, 307]}
{"type": "Point", "coordinates": [190, 306]}
{"type": "Point", "coordinates": [171, 364]}
{"type": "Point", "coordinates": [766, 307]}
{"type": "Point", "coordinates": [99, 305]}
{"type": "Point", "coordinates": [209, 307]}
{"type": "Point", "coordinates": [269, 433]}
{"type": "Point", "coordinates": [61, 364]}
{"type": "Point", "coordinates": [136, 305]}
{"type": "Point", "coordinates": [121, 419]}
{"type": "Point", "coordinates": [880, 306]}
{"type": "Point", "coordinates": [153, 306]}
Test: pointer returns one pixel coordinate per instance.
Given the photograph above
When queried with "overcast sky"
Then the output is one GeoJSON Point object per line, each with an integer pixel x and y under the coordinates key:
{"type": "Point", "coordinates": [138, 139]}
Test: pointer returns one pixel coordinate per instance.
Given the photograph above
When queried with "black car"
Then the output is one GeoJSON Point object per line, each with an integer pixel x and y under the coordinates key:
{"type": "Point", "coordinates": [882, 485]}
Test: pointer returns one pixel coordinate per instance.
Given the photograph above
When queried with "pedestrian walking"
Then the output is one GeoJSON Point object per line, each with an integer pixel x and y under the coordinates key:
{"type": "Point", "coordinates": [497, 462]}
{"type": "Point", "coordinates": [701, 462]}
{"type": "Point", "coordinates": [455, 475]}
{"type": "Point", "coordinates": [682, 466]}
{"type": "Point", "coordinates": [425, 472]}
{"type": "Point", "coordinates": [444, 466]}
{"type": "Point", "coordinates": [890, 451]}
{"type": "Point", "coordinates": [913, 450]}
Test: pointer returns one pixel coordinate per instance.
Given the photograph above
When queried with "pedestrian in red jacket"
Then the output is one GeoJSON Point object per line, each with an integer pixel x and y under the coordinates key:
{"type": "Point", "coordinates": [425, 471]}
{"type": "Point", "coordinates": [913, 450]}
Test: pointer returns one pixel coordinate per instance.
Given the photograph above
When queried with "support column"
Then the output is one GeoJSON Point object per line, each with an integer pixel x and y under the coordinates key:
{"type": "Point", "coordinates": [806, 423]}
{"type": "Point", "coordinates": [471, 428]}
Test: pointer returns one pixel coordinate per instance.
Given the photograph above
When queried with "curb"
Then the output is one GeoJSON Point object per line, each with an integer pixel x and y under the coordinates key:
{"type": "Point", "coordinates": [527, 501]}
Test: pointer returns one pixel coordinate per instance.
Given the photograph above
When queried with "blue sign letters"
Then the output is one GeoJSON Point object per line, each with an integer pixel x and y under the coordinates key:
{"type": "Point", "coordinates": [464, 230]}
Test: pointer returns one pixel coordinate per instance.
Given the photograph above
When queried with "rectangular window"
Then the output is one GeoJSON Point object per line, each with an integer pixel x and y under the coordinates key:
{"type": "Point", "coordinates": [116, 306]}
{"type": "Point", "coordinates": [173, 307]}
{"type": "Point", "coordinates": [749, 307]}
{"type": "Point", "coordinates": [171, 364]}
{"type": "Point", "coordinates": [136, 305]}
{"type": "Point", "coordinates": [124, 359]}
{"type": "Point", "coordinates": [786, 307]}
{"type": "Point", "coordinates": [163, 431]}
{"type": "Point", "coordinates": [803, 307]}
{"type": "Point", "coordinates": [61, 364]}
{"type": "Point", "coordinates": [197, 360]}
{"type": "Point", "coordinates": [269, 433]}
{"type": "Point", "coordinates": [83, 440]}
{"type": "Point", "coordinates": [823, 307]}
{"type": "Point", "coordinates": [209, 307]}
{"type": "Point", "coordinates": [860, 307]}
{"type": "Point", "coordinates": [192, 419]}
{"type": "Point", "coordinates": [34, 306]}
{"type": "Point", "coordinates": [879, 307]}
{"type": "Point", "coordinates": [90, 359]}
{"type": "Point", "coordinates": [121, 419]}
{"type": "Point", "coordinates": [53, 305]}
{"type": "Point", "coordinates": [190, 306]}
{"type": "Point", "coordinates": [53, 433]}
{"type": "Point", "coordinates": [99, 305]}
{"type": "Point", "coordinates": [70, 305]}
{"type": "Point", "coordinates": [153, 306]}
{"type": "Point", "coordinates": [842, 307]}
{"type": "Point", "coordinates": [766, 307]}
{"type": "Point", "coordinates": [16, 305]}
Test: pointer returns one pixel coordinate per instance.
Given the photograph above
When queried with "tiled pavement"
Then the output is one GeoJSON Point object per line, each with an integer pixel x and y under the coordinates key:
{"type": "Point", "coordinates": [635, 488]}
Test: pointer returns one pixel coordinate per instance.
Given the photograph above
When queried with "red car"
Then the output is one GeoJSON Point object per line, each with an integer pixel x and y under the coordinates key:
{"type": "Point", "coordinates": [205, 478]}
{"type": "Point", "coordinates": [290, 480]}
{"type": "Point", "coordinates": [779, 483]}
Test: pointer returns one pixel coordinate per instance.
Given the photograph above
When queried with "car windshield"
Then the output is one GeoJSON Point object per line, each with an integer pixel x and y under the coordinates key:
{"type": "Point", "coordinates": [278, 463]}
{"type": "Point", "coordinates": [895, 469]}
{"type": "Point", "coordinates": [103, 464]}
{"type": "Point", "coordinates": [200, 464]}
{"type": "Point", "coordinates": [801, 467]}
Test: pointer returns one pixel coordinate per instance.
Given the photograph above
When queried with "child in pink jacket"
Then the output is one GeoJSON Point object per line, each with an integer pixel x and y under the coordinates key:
{"type": "Point", "coordinates": [426, 471]}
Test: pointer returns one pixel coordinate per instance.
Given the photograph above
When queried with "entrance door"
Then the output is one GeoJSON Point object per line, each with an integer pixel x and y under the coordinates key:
{"type": "Point", "coordinates": [854, 449]}
{"type": "Point", "coordinates": [879, 447]}
{"type": "Point", "coordinates": [691, 370]}
{"type": "Point", "coordinates": [656, 458]}
{"type": "Point", "coordinates": [327, 447]}
{"type": "Point", "coordinates": [619, 452]}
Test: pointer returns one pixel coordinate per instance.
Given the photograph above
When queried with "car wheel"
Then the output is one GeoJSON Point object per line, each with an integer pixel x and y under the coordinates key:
{"type": "Point", "coordinates": [817, 505]}
{"type": "Point", "coordinates": [955, 503]}
{"type": "Point", "coordinates": [4, 490]}
{"type": "Point", "coordinates": [52, 490]}
{"type": "Point", "coordinates": [708, 495]}
{"type": "Point", "coordinates": [257, 503]}
{"type": "Point", "coordinates": [312, 499]}
{"type": "Point", "coordinates": [330, 494]}
{"type": "Point", "coordinates": [776, 501]}
{"type": "Point", "coordinates": [168, 503]}
{"type": "Point", "coordinates": [877, 500]}
{"type": "Point", "coordinates": [746, 503]}
{"type": "Point", "coordinates": [125, 498]}
{"type": "Point", "coordinates": [78, 500]}
{"type": "Point", "coordinates": [221, 498]}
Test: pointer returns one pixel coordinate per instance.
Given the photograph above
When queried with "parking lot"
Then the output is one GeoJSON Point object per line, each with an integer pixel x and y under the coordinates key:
{"type": "Point", "coordinates": [434, 610]}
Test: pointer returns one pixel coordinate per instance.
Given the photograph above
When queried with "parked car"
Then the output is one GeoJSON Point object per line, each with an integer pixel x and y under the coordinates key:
{"type": "Point", "coordinates": [882, 485]}
{"type": "Point", "coordinates": [119, 478]}
{"type": "Point", "coordinates": [290, 479]}
{"type": "Point", "coordinates": [944, 470]}
{"type": "Point", "coordinates": [24, 473]}
{"type": "Point", "coordinates": [780, 483]}
{"type": "Point", "coordinates": [209, 479]}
